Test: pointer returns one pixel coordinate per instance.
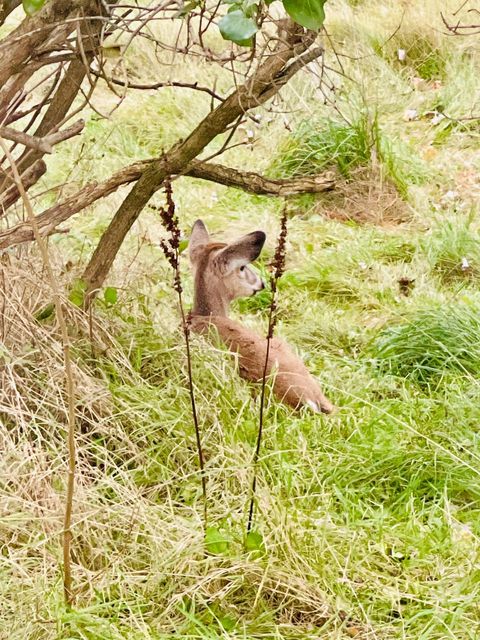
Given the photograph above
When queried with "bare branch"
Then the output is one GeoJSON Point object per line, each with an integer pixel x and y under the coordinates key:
{"type": "Point", "coordinates": [62, 100]}
{"type": "Point", "coordinates": [39, 144]}
{"type": "Point", "coordinates": [30, 177]}
{"type": "Point", "coordinates": [461, 28]}
{"type": "Point", "coordinates": [50, 24]}
{"type": "Point", "coordinates": [6, 8]}
{"type": "Point", "coordinates": [65, 134]}
{"type": "Point", "coordinates": [52, 217]}
{"type": "Point", "coordinates": [255, 183]}
{"type": "Point", "coordinates": [249, 181]}
{"type": "Point", "coordinates": [127, 84]}
{"type": "Point", "coordinates": [46, 144]}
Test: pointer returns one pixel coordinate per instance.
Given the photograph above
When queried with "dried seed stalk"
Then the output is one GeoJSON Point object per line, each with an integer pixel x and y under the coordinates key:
{"type": "Point", "coordinates": [170, 248]}
{"type": "Point", "coordinates": [277, 267]}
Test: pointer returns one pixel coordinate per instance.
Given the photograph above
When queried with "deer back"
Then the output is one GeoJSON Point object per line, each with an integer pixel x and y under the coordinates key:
{"type": "Point", "coordinates": [292, 384]}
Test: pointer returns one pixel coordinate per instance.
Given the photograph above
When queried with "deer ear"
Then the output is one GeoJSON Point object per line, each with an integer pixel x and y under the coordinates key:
{"type": "Point", "coordinates": [198, 238]}
{"type": "Point", "coordinates": [243, 251]}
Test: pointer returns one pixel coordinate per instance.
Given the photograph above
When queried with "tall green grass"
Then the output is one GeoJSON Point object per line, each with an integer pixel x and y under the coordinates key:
{"type": "Point", "coordinates": [326, 143]}
{"type": "Point", "coordinates": [345, 146]}
{"type": "Point", "coordinates": [453, 250]}
{"type": "Point", "coordinates": [431, 344]}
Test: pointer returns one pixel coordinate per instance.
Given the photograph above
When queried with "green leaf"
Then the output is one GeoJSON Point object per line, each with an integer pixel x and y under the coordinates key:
{"type": "Point", "coordinates": [254, 542]}
{"type": "Point", "coordinates": [183, 245]}
{"type": "Point", "coordinates": [187, 7]}
{"type": "Point", "coordinates": [215, 541]}
{"type": "Point", "coordinates": [250, 8]}
{"type": "Point", "coordinates": [308, 13]}
{"type": "Point", "coordinates": [45, 312]}
{"type": "Point", "coordinates": [32, 6]}
{"type": "Point", "coordinates": [110, 295]}
{"type": "Point", "coordinates": [77, 293]}
{"type": "Point", "coordinates": [235, 26]}
{"type": "Point", "coordinates": [228, 622]}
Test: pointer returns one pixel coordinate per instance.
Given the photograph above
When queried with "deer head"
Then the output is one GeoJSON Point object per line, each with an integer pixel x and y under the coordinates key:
{"type": "Point", "coordinates": [221, 270]}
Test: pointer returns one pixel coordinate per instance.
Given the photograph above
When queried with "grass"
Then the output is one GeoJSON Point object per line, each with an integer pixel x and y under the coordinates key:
{"type": "Point", "coordinates": [431, 344]}
{"type": "Point", "coordinates": [325, 144]}
{"type": "Point", "coordinates": [318, 145]}
{"type": "Point", "coordinates": [453, 249]}
{"type": "Point", "coordinates": [369, 518]}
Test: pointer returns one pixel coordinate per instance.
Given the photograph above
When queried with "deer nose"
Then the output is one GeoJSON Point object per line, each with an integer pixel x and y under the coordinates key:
{"type": "Point", "coordinates": [260, 288]}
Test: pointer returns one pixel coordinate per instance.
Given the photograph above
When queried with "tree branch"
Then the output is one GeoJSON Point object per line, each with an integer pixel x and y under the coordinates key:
{"type": "Point", "coordinates": [264, 83]}
{"type": "Point", "coordinates": [255, 183]}
{"type": "Point", "coordinates": [249, 181]}
{"type": "Point", "coordinates": [43, 145]}
{"type": "Point", "coordinates": [62, 100]}
{"type": "Point", "coordinates": [39, 144]}
{"type": "Point", "coordinates": [16, 49]}
{"type": "Point", "coordinates": [126, 84]}
{"type": "Point", "coordinates": [30, 177]}
{"type": "Point", "coordinates": [6, 8]}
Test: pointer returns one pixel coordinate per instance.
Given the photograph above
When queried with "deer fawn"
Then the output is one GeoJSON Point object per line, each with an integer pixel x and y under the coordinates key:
{"type": "Point", "coordinates": [221, 274]}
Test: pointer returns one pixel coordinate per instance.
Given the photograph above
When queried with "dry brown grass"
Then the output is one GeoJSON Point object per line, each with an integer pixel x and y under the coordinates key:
{"type": "Point", "coordinates": [366, 198]}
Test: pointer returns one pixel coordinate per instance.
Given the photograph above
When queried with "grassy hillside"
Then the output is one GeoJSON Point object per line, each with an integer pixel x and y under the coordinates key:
{"type": "Point", "coordinates": [370, 518]}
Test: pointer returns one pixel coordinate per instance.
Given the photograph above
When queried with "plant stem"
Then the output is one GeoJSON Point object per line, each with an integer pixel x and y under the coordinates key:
{"type": "Point", "coordinates": [262, 403]}
{"type": "Point", "coordinates": [171, 250]}
{"type": "Point", "coordinates": [201, 460]}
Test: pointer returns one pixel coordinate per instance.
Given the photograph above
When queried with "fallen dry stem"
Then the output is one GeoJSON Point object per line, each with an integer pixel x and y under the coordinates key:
{"type": "Point", "coordinates": [69, 380]}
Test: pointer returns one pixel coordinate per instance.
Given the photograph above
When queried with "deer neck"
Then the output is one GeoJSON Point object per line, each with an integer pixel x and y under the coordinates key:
{"type": "Point", "coordinates": [208, 302]}
{"type": "Point", "coordinates": [203, 307]}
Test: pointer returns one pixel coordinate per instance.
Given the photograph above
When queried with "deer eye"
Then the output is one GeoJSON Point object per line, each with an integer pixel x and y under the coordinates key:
{"type": "Point", "coordinates": [242, 268]}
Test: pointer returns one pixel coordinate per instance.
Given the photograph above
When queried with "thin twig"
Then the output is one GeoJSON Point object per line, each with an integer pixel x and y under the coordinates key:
{"type": "Point", "coordinates": [171, 250]}
{"type": "Point", "coordinates": [127, 84]}
{"type": "Point", "coordinates": [70, 383]}
{"type": "Point", "coordinates": [278, 266]}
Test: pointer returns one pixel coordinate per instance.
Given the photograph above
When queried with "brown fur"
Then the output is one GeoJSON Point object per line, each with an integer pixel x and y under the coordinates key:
{"type": "Point", "coordinates": [293, 384]}
{"type": "Point", "coordinates": [218, 280]}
